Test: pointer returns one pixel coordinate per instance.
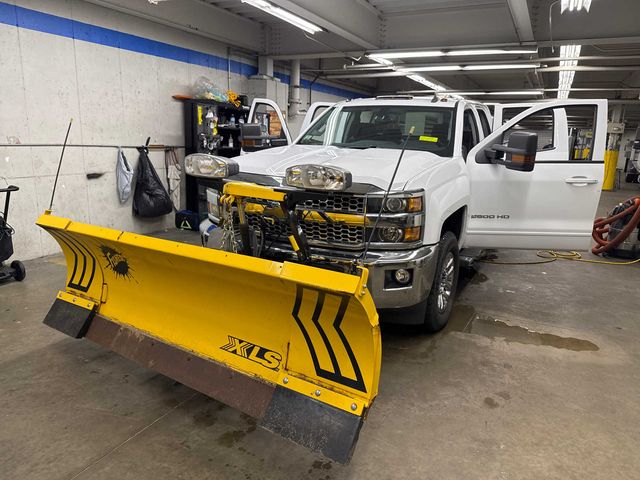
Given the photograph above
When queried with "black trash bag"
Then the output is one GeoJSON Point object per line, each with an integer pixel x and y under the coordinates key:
{"type": "Point", "coordinates": [150, 198]}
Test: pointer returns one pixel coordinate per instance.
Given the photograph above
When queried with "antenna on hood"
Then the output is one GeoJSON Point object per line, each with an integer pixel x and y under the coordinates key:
{"type": "Point", "coordinates": [386, 193]}
{"type": "Point", "coordinates": [55, 182]}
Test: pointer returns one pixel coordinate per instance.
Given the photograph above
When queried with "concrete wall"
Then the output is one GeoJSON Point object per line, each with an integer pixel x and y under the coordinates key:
{"type": "Point", "coordinates": [115, 96]}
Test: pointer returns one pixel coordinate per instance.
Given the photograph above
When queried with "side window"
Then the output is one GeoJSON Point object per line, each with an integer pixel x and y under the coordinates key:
{"type": "Point", "coordinates": [315, 134]}
{"type": "Point", "coordinates": [484, 121]}
{"type": "Point", "coordinates": [511, 112]}
{"type": "Point", "coordinates": [541, 123]}
{"type": "Point", "coordinates": [318, 111]}
{"type": "Point", "coordinates": [581, 125]}
{"type": "Point", "coordinates": [269, 121]}
{"type": "Point", "coordinates": [564, 133]}
{"type": "Point", "coordinates": [470, 136]}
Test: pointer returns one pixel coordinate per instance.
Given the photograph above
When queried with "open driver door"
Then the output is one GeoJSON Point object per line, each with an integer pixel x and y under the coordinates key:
{"type": "Point", "coordinates": [543, 195]}
{"type": "Point", "coordinates": [266, 128]}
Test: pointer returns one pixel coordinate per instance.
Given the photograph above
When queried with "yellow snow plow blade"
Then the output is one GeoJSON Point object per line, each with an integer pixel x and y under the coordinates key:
{"type": "Point", "coordinates": [295, 346]}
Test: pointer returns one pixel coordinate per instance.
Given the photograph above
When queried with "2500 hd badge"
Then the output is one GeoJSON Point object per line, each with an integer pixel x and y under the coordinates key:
{"type": "Point", "coordinates": [501, 217]}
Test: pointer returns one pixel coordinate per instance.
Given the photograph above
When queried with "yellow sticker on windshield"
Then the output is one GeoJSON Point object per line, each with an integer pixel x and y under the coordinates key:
{"type": "Point", "coordinates": [424, 138]}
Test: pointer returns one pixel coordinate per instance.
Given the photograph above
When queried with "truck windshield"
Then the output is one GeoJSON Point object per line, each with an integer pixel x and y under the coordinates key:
{"type": "Point", "coordinates": [385, 126]}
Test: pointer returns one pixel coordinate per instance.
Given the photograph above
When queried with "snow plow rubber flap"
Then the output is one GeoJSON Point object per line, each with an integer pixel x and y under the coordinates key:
{"type": "Point", "coordinates": [295, 346]}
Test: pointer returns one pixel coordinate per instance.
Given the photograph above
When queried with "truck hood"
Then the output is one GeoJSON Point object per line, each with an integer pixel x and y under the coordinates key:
{"type": "Point", "coordinates": [372, 166]}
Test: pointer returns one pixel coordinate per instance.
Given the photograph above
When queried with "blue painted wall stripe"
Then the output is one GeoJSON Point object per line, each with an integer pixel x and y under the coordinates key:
{"type": "Point", "coordinates": [64, 27]}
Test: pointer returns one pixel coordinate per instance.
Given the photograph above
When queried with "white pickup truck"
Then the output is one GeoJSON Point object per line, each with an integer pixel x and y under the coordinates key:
{"type": "Point", "coordinates": [465, 180]}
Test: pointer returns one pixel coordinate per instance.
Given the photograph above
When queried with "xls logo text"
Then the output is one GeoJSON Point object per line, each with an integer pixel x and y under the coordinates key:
{"type": "Point", "coordinates": [265, 357]}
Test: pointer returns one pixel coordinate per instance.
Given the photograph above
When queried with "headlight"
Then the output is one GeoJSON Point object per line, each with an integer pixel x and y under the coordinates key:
{"type": "Point", "coordinates": [393, 234]}
{"type": "Point", "coordinates": [318, 177]}
{"type": "Point", "coordinates": [390, 234]}
{"type": "Point", "coordinates": [211, 166]}
{"type": "Point", "coordinates": [403, 204]}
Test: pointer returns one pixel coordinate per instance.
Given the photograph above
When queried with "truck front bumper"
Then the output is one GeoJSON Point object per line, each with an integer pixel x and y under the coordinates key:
{"type": "Point", "coordinates": [421, 263]}
{"type": "Point", "coordinates": [388, 294]}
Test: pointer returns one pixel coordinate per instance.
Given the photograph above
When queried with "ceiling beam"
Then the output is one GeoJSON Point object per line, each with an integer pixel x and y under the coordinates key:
{"type": "Point", "coordinates": [349, 20]}
{"type": "Point", "coordinates": [199, 18]}
{"type": "Point", "coordinates": [521, 20]}
{"type": "Point", "coordinates": [445, 6]}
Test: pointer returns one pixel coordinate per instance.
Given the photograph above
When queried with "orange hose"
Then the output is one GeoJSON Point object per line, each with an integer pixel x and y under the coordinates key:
{"type": "Point", "coordinates": [601, 227]}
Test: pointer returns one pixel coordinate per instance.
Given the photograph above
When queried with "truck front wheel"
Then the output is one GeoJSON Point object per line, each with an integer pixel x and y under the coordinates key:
{"type": "Point", "coordinates": [440, 299]}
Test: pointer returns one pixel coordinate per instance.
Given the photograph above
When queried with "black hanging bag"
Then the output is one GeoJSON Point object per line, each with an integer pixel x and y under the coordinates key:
{"type": "Point", "coordinates": [150, 198]}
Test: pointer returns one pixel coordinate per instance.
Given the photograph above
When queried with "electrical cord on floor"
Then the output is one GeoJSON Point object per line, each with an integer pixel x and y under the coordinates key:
{"type": "Point", "coordinates": [549, 256]}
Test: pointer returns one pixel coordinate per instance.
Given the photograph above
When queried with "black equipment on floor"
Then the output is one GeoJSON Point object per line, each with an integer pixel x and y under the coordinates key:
{"type": "Point", "coordinates": [16, 268]}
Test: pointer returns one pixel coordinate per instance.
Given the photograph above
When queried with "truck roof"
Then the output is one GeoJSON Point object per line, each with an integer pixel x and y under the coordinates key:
{"type": "Point", "coordinates": [400, 100]}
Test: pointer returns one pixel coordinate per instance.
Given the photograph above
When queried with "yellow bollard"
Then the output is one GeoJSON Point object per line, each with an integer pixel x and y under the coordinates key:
{"type": "Point", "coordinates": [610, 165]}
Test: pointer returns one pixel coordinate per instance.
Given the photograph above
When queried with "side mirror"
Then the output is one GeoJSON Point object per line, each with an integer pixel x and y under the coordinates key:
{"type": "Point", "coordinates": [254, 139]}
{"type": "Point", "coordinates": [520, 151]}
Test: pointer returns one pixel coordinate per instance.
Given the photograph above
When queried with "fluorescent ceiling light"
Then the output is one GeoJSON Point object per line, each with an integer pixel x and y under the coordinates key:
{"type": "Point", "coordinates": [516, 92]}
{"type": "Point", "coordinates": [505, 93]}
{"type": "Point", "coordinates": [284, 15]}
{"type": "Point", "coordinates": [491, 51]}
{"type": "Point", "coordinates": [426, 83]}
{"type": "Point", "coordinates": [453, 53]}
{"type": "Point", "coordinates": [502, 66]}
{"type": "Point", "coordinates": [449, 68]}
{"type": "Point", "coordinates": [574, 5]}
{"type": "Point", "coordinates": [381, 60]}
{"type": "Point", "coordinates": [565, 77]}
{"type": "Point", "coordinates": [430, 53]}
{"type": "Point", "coordinates": [437, 88]}
{"type": "Point", "coordinates": [431, 68]}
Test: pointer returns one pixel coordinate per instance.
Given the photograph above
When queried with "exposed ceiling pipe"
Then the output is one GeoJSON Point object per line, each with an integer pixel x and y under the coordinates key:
{"type": "Point", "coordinates": [589, 68]}
{"type": "Point", "coordinates": [579, 89]}
{"type": "Point", "coordinates": [591, 41]}
{"type": "Point", "coordinates": [579, 41]}
{"type": "Point", "coordinates": [433, 73]}
{"type": "Point", "coordinates": [364, 67]}
{"type": "Point", "coordinates": [294, 89]}
{"type": "Point", "coordinates": [520, 60]}
{"type": "Point", "coordinates": [368, 75]}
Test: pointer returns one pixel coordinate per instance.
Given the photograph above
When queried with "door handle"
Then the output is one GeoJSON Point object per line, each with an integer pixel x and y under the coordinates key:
{"type": "Point", "coordinates": [580, 181]}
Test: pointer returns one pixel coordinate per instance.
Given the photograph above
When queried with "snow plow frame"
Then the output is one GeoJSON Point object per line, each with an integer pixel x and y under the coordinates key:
{"type": "Point", "coordinates": [295, 346]}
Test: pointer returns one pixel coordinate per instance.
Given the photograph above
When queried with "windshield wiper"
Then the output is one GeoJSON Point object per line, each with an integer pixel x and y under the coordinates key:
{"type": "Point", "coordinates": [357, 147]}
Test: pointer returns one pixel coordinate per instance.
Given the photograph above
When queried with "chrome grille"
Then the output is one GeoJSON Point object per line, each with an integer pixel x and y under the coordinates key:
{"type": "Point", "coordinates": [320, 233]}
{"type": "Point", "coordinates": [336, 203]}
{"type": "Point", "coordinates": [333, 233]}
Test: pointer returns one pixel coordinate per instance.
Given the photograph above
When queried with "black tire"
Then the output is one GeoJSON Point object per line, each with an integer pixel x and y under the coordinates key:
{"type": "Point", "coordinates": [19, 270]}
{"type": "Point", "coordinates": [439, 303]}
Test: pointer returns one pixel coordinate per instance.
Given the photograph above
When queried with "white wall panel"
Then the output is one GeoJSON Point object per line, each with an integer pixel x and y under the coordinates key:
{"type": "Point", "coordinates": [13, 112]}
{"type": "Point", "coordinates": [100, 93]}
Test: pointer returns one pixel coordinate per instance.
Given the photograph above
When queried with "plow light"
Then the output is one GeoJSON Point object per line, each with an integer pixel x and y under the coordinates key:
{"type": "Point", "coordinates": [210, 166]}
{"type": "Point", "coordinates": [318, 177]}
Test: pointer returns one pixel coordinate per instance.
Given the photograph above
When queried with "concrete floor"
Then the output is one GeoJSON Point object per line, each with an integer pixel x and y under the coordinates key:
{"type": "Point", "coordinates": [483, 399]}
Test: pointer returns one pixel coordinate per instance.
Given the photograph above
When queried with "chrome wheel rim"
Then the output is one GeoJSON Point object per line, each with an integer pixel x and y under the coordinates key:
{"type": "Point", "coordinates": [445, 284]}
